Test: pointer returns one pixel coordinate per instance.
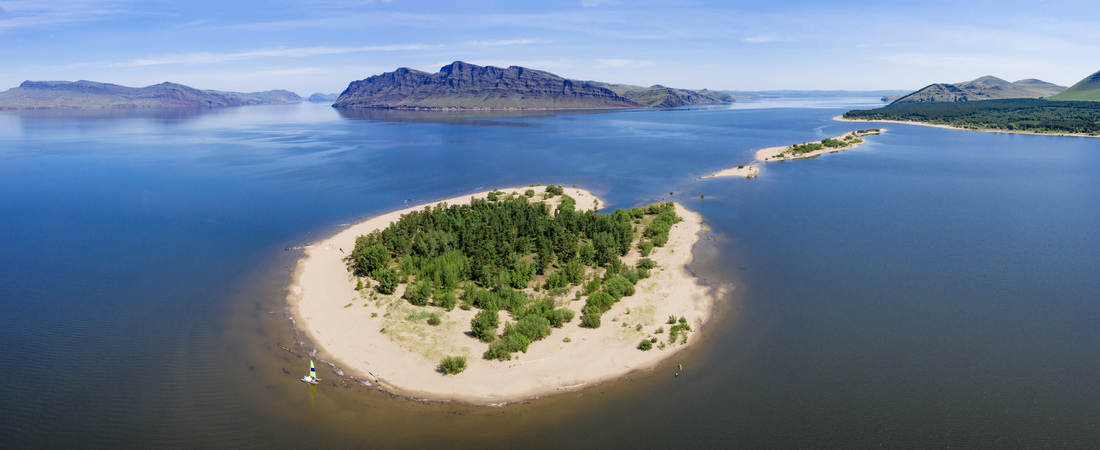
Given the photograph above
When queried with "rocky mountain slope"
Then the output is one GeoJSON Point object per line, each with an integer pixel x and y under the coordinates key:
{"type": "Point", "coordinates": [984, 88]}
{"type": "Point", "coordinates": [461, 85]}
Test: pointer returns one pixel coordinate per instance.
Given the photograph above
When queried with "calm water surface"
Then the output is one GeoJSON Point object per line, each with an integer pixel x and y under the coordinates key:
{"type": "Point", "coordinates": [932, 288]}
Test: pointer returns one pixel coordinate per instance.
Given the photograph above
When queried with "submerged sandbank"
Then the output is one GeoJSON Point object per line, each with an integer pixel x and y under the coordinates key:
{"type": "Point", "coordinates": [379, 338]}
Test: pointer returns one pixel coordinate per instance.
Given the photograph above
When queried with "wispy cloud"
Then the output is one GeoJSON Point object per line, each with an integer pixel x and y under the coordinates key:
{"type": "Point", "coordinates": [211, 58]}
{"type": "Point", "coordinates": [624, 62]}
{"type": "Point", "coordinates": [506, 42]}
{"type": "Point", "coordinates": [33, 14]}
{"type": "Point", "coordinates": [765, 39]}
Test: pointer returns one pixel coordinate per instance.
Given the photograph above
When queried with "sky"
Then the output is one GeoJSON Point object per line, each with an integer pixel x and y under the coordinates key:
{"type": "Point", "coordinates": [309, 46]}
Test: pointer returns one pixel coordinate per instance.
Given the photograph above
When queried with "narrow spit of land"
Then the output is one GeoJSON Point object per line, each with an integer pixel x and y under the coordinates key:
{"type": "Point", "coordinates": [389, 342]}
{"type": "Point", "coordinates": [846, 141]}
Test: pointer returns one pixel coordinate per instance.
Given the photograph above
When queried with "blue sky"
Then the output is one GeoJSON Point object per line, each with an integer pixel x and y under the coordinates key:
{"type": "Point", "coordinates": [321, 45]}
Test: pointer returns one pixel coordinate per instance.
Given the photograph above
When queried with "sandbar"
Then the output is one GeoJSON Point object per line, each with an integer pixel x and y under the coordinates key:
{"type": "Point", "coordinates": [780, 154]}
{"type": "Point", "coordinates": [372, 337]}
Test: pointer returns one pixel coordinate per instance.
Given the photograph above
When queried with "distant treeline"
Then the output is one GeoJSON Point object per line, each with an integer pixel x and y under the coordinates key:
{"type": "Point", "coordinates": [487, 252]}
{"type": "Point", "coordinates": [1033, 115]}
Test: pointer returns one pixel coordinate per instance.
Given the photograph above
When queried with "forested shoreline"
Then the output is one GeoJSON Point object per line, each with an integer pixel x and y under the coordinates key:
{"type": "Point", "coordinates": [1015, 115]}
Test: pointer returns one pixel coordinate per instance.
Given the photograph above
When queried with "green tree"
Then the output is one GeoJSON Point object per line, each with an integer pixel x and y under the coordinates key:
{"type": "Point", "coordinates": [484, 325]}
{"type": "Point", "coordinates": [387, 280]}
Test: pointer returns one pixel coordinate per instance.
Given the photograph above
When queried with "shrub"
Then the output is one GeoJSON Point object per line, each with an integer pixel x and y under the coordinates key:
{"type": "Point", "coordinates": [618, 287]}
{"type": "Point", "coordinates": [502, 349]}
{"type": "Point", "coordinates": [590, 316]}
{"type": "Point", "coordinates": [529, 193]}
{"type": "Point", "coordinates": [532, 326]}
{"type": "Point", "coordinates": [631, 275]}
{"type": "Point", "coordinates": [434, 320]}
{"type": "Point", "coordinates": [602, 301]}
{"type": "Point", "coordinates": [484, 325]}
{"type": "Point", "coordinates": [554, 190]}
{"type": "Point", "coordinates": [359, 285]}
{"type": "Point", "coordinates": [646, 263]}
{"type": "Point", "coordinates": [560, 317]}
{"type": "Point", "coordinates": [645, 344]}
{"type": "Point", "coordinates": [671, 320]}
{"type": "Point", "coordinates": [446, 300]}
{"type": "Point", "coordinates": [452, 365]}
{"type": "Point", "coordinates": [387, 280]}
{"type": "Point", "coordinates": [418, 293]}
{"type": "Point", "coordinates": [645, 247]}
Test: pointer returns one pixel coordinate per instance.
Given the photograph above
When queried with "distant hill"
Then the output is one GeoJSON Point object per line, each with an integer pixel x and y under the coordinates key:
{"type": "Point", "coordinates": [984, 88]}
{"type": "Point", "coordinates": [467, 86]}
{"type": "Point", "coordinates": [318, 97]}
{"type": "Point", "coordinates": [1087, 89]}
{"type": "Point", "coordinates": [795, 94]}
{"type": "Point", "coordinates": [658, 96]}
{"type": "Point", "coordinates": [90, 94]}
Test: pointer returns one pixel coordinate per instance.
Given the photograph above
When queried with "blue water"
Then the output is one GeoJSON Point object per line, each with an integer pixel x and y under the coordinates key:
{"type": "Point", "coordinates": [931, 288]}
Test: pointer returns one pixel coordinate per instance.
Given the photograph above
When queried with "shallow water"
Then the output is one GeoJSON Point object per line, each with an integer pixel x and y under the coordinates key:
{"type": "Point", "coordinates": [931, 288]}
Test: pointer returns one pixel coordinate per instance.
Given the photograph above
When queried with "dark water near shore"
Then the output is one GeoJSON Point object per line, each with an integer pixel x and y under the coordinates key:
{"type": "Point", "coordinates": [931, 288]}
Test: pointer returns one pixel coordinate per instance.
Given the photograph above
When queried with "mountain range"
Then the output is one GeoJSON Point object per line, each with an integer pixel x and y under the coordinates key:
{"type": "Point", "coordinates": [91, 94]}
{"type": "Point", "coordinates": [460, 85]}
{"type": "Point", "coordinates": [984, 88]}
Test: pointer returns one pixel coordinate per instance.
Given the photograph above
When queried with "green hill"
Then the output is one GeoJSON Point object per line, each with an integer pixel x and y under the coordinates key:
{"type": "Point", "coordinates": [91, 94]}
{"type": "Point", "coordinates": [1085, 90]}
{"type": "Point", "coordinates": [984, 88]}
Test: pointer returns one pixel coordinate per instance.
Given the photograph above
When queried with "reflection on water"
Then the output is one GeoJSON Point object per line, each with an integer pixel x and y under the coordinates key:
{"type": "Point", "coordinates": [931, 288]}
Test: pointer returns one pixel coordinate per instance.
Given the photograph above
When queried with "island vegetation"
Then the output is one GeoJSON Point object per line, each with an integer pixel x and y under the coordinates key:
{"type": "Point", "coordinates": [1012, 115]}
{"type": "Point", "coordinates": [508, 253]}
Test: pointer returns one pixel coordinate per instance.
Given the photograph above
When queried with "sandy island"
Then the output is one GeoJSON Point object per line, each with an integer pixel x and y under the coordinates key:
{"type": "Point", "coordinates": [780, 154]}
{"type": "Point", "coordinates": [346, 327]}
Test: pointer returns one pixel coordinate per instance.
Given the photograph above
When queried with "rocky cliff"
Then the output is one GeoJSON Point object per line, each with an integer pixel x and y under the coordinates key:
{"type": "Point", "coordinates": [467, 86]}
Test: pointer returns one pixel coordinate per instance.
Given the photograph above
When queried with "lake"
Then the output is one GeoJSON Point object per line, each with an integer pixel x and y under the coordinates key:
{"type": "Point", "coordinates": [932, 288]}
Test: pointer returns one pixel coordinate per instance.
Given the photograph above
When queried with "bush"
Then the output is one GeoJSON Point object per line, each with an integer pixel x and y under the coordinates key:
{"type": "Point", "coordinates": [529, 193]}
{"type": "Point", "coordinates": [646, 263]}
{"type": "Point", "coordinates": [602, 301]}
{"type": "Point", "coordinates": [532, 326]}
{"type": "Point", "coordinates": [446, 300]}
{"type": "Point", "coordinates": [387, 280]}
{"type": "Point", "coordinates": [434, 320]}
{"type": "Point", "coordinates": [618, 287]}
{"type": "Point", "coordinates": [645, 344]}
{"type": "Point", "coordinates": [418, 293]}
{"type": "Point", "coordinates": [554, 190]}
{"type": "Point", "coordinates": [484, 325]}
{"type": "Point", "coordinates": [502, 349]}
{"type": "Point", "coordinates": [631, 275]}
{"type": "Point", "coordinates": [452, 365]}
{"type": "Point", "coordinates": [590, 318]}
{"type": "Point", "coordinates": [560, 317]}
{"type": "Point", "coordinates": [645, 247]}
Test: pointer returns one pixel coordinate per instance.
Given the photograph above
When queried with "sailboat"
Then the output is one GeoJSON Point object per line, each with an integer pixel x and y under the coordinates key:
{"type": "Point", "coordinates": [312, 377]}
